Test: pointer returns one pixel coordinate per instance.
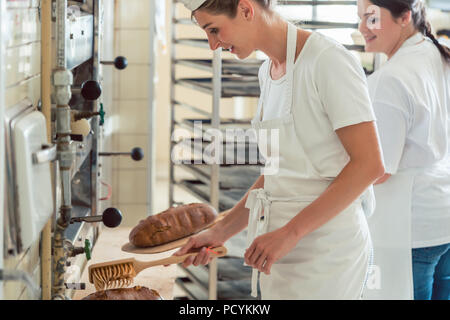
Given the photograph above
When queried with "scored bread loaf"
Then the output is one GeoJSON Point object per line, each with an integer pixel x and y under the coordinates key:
{"type": "Point", "coordinates": [136, 293]}
{"type": "Point", "coordinates": [173, 224]}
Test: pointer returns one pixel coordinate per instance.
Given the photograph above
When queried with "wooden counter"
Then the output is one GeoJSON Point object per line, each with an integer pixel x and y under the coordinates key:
{"type": "Point", "coordinates": [108, 248]}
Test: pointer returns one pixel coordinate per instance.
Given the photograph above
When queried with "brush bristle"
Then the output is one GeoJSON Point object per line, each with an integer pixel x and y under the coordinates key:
{"type": "Point", "coordinates": [113, 276]}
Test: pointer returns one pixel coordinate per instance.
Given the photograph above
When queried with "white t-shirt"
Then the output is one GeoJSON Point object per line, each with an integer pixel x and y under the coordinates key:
{"type": "Point", "coordinates": [411, 99]}
{"type": "Point", "coordinates": [330, 92]}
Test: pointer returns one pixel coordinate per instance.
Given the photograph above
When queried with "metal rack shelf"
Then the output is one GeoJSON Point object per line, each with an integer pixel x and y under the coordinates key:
{"type": "Point", "coordinates": [232, 177]}
{"type": "Point", "coordinates": [248, 67]}
{"type": "Point", "coordinates": [203, 43]}
{"type": "Point", "coordinates": [226, 126]}
{"type": "Point", "coordinates": [316, 25]}
{"type": "Point", "coordinates": [232, 276]}
{"type": "Point", "coordinates": [226, 290]}
{"type": "Point", "coordinates": [227, 198]}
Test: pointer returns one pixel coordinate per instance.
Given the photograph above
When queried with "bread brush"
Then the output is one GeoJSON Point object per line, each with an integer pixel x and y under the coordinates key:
{"type": "Point", "coordinates": [120, 273]}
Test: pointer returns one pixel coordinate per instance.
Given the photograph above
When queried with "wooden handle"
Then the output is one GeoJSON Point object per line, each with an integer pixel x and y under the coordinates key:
{"type": "Point", "coordinates": [214, 252]}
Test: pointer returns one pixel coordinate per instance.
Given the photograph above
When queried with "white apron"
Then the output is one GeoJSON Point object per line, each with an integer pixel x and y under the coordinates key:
{"type": "Point", "coordinates": [390, 226]}
{"type": "Point", "coordinates": [331, 262]}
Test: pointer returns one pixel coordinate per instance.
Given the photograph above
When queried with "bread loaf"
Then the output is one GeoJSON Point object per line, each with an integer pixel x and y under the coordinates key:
{"type": "Point", "coordinates": [136, 293]}
{"type": "Point", "coordinates": [172, 224]}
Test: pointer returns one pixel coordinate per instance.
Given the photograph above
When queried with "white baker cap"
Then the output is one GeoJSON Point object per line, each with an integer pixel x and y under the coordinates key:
{"type": "Point", "coordinates": [193, 4]}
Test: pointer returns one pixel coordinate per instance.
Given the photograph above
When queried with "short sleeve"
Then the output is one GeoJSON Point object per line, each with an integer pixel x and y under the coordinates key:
{"type": "Point", "coordinates": [394, 116]}
{"type": "Point", "coordinates": [342, 88]}
{"type": "Point", "coordinates": [392, 125]}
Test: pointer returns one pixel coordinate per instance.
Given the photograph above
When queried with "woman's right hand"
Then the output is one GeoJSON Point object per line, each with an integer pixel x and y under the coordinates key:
{"type": "Point", "coordinates": [204, 240]}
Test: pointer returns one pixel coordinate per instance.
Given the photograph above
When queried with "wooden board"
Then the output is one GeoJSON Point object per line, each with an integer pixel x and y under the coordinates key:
{"type": "Point", "coordinates": [130, 248]}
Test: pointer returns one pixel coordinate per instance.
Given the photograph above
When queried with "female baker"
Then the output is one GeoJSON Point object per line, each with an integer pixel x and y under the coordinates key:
{"type": "Point", "coordinates": [411, 97]}
{"type": "Point", "coordinates": [307, 233]}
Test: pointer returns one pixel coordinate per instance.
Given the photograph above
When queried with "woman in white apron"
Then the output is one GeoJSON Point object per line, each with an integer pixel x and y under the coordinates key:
{"type": "Point", "coordinates": [411, 96]}
{"type": "Point", "coordinates": [307, 232]}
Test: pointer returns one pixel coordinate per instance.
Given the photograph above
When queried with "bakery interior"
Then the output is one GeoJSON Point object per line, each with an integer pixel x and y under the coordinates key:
{"type": "Point", "coordinates": [92, 123]}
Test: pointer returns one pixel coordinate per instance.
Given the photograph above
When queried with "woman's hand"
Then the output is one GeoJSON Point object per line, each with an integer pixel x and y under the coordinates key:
{"type": "Point", "coordinates": [270, 247]}
{"type": "Point", "coordinates": [205, 239]}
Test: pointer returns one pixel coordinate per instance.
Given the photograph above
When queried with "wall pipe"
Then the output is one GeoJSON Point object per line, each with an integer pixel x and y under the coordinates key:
{"type": "Point", "coordinates": [46, 69]}
{"type": "Point", "coordinates": [2, 139]}
{"type": "Point", "coordinates": [62, 80]}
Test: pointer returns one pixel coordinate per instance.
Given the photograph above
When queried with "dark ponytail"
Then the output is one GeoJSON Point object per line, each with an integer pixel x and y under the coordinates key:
{"type": "Point", "coordinates": [423, 25]}
{"type": "Point", "coordinates": [419, 17]}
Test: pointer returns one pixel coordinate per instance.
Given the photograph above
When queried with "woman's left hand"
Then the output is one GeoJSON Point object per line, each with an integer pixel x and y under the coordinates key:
{"type": "Point", "coordinates": [270, 247]}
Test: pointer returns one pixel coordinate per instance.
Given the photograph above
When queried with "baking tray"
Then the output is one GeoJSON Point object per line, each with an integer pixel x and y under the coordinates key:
{"type": "Point", "coordinates": [227, 198]}
{"type": "Point", "coordinates": [249, 67]}
{"type": "Point", "coordinates": [230, 177]}
{"type": "Point", "coordinates": [231, 86]}
{"type": "Point", "coordinates": [203, 43]}
{"type": "Point", "coordinates": [197, 151]}
{"type": "Point", "coordinates": [228, 128]}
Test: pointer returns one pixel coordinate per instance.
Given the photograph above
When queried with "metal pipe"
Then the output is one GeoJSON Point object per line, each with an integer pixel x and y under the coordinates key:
{"type": "Point", "coordinates": [2, 131]}
{"type": "Point", "coordinates": [95, 124]}
{"type": "Point", "coordinates": [215, 122]}
{"type": "Point", "coordinates": [62, 79]}
{"type": "Point", "coordinates": [172, 106]}
{"type": "Point", "coordinates": [46, 67]}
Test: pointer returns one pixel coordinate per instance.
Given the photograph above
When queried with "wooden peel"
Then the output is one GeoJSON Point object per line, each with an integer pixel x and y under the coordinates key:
{"type": "Point", "coordinates": [130, 248]}
{"type": "Point", "coordinates": [121, 273]}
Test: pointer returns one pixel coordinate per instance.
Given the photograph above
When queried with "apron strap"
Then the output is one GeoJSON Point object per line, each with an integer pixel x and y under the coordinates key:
{"type": "Point", "coordinates": [291, 48]}
{"type": "Point", "coordinates": [290, 61]}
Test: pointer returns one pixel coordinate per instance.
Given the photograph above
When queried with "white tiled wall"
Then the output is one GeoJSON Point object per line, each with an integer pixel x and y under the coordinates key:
{"type": "Point", "coordinates": [131, 104]}
{"type": "Point", "coordinates": [22, 59]}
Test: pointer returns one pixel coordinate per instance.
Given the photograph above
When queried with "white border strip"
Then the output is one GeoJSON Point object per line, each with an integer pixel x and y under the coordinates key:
{"type": "Point", "coordinates": [3, 24]}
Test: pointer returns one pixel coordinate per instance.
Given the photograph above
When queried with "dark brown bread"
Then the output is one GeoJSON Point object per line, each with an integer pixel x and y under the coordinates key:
{"type": "Point", "coordinates": [172, 224]}
{"type": "Point", "coordinates": [136, 293]}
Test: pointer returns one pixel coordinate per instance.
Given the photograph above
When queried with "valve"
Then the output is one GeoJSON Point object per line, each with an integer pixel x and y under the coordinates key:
{"type": "Point", "coordinates": [78, 115]}
{"type": "Point", "coordinates": [102, 115]}
{"type": "Point", "coordinates": [74, 251]}
{"type": "Point", "coordinates": [136, 154]}
{"type": "Point", "coordinates": [90, 90]}
{"type": "Point", "coordinates": [111, 218]}
{"type": "Point", "coordinates": [119, 62]}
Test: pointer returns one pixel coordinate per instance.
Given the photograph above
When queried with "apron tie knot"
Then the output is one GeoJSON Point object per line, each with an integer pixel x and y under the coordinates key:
{"type": "Point", "coordinates": [258, 202]}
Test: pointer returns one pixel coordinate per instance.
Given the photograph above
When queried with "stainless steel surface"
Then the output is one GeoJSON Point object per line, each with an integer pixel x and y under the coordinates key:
{"type": "Point", "coordinates": [79, 45]}
{"type": "Point", "coordinates": [61, 34]}
{"type": "Point", "coordinates": [95, 126]}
